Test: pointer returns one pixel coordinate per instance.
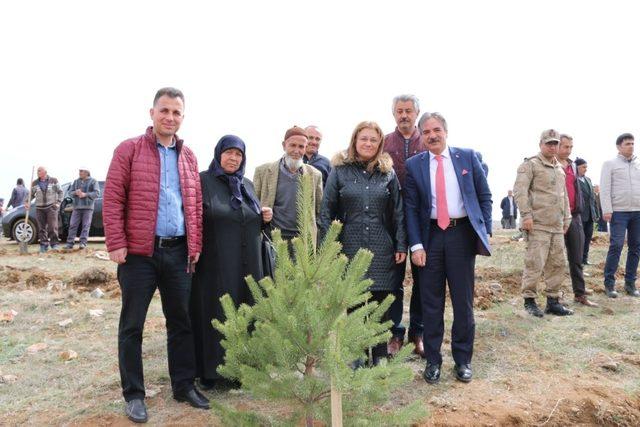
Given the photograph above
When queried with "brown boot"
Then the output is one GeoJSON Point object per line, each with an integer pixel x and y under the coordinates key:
{"type": "Point", "coordinates": [394, 346]}
{"type": "Point", "coordinates": [419, 345]}
{"type": "Point", "coordinates": [584, 301]}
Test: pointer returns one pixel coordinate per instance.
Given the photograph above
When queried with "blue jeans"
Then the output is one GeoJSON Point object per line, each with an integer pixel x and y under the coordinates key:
{"type": "Point", "coordinates": [622, 222]}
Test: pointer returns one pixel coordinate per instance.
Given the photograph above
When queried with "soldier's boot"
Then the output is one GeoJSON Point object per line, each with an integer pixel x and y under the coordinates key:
{"type": "Point", "coordinates": [630, 289]}
{"type": "Point", "coordinates": [532, 308]}
{"type": "Point", "coordinates": [611, 291]}
{"type": "Point", "coordinates": [554, 307]}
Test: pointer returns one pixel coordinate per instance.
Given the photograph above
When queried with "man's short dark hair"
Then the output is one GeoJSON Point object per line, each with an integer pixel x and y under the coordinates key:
{"type": "Point", "coordinates": [624, 137]}
{"type": "Point", "coordinates": [20, 181]}
{"type": "Point", "coordinates": [171, 92]}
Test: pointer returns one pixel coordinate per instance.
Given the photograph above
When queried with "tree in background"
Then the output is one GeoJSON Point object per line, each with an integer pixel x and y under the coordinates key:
{"type": "Point", "coordinates": [307, 327]}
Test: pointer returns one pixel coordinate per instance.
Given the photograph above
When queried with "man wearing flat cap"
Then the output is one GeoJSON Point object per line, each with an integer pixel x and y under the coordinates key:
{"type": "Point", "coordinates": [277, 183]}
{"type": "Point", "coordinates": [84, 191]}
{"type": "Point", "coordinates": [545, 216]}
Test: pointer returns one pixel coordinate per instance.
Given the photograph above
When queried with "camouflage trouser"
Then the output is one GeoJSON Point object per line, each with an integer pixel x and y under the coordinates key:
{"type": "Point", "coordinates": [544, 258]}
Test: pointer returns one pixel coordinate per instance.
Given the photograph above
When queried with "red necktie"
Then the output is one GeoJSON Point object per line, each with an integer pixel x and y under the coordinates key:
{"type": "Point", "coordinates": [441, 196]}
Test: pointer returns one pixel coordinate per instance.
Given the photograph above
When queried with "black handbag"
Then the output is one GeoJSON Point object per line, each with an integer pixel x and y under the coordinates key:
{"type": "Point", "coordinates": [268, 256]}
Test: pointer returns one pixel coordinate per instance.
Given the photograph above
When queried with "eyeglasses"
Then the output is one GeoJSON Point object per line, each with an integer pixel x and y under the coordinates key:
{"type": "Point", "coordinates": [367, 139]}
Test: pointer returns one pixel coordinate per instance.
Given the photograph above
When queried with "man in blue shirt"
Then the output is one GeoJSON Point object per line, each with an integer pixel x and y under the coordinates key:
{"type": "Point", "coordinates": [153, 227]}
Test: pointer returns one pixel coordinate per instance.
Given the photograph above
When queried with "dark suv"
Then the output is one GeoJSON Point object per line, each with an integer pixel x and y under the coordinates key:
{"type": "Point", "coordinates": [13, 225]}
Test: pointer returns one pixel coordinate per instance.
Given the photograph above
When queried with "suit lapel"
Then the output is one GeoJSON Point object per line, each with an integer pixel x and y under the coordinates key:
{"type": "Point", "coordinates": [426, 175]}
{"type": "Point", "coordinates": [457, 162]}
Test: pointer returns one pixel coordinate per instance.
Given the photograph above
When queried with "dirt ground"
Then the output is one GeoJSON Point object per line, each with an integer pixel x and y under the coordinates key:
{"type": "Point", "coordinates": [58, 351]}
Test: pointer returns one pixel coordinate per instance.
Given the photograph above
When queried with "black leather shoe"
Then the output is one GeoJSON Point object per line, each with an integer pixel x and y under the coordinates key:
{"type": "Point", "coordinates": [431, 373]}
{"type": "Point", "coordinates": [463, 373]}
{"type": "Point", "coordinates": [202, 396]}
{"type": "Point", "coordinates": [194, 398]}
{"type": "Point", "coordinates": [136, 411]}
{"type": "Point", "coordinates": [532, 308]}
{"type": "Point", "coordinates": [554, 307]}
{"type": "Point", "coordinates": [207, 384]}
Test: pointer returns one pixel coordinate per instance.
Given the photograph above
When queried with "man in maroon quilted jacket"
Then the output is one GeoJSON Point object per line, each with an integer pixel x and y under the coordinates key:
{"type": "Point", "coordinates": [153, 224]}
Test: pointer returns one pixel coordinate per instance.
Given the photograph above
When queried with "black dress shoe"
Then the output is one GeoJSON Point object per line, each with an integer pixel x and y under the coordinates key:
{"type": "Point", "coordinates": [136, 411]}
{"type": "Point", "coordinates": [431, 373]}
{"type": "Point", "coordinates": [463, 373]}
{"type": "Point", "coordinates": [194, 398]}
{"type": "Point", "coordinates": [207, 383]}
{"type": "Point", "coordinates": [202, 396]}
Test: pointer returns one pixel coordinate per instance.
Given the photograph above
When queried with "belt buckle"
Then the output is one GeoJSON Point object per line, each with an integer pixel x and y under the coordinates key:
{"type": "Point", "coordinates": [453, 222]}
{"type": "Point", "coordinates": [160, 240]}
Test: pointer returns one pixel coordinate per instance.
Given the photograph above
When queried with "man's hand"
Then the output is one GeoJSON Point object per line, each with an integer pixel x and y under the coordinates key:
{"type": "Point", "coordinates": [527, 224]}
{"type": "Point", "coordinates": [419, 257]}
{"type": "Point", "coordinates": [607, 217]}
{"type": "Point", "coordinates": [119, 256]}
{"type": "Point", "coordinates": [193, 260]}
{"type": "Point", "coordinates": [566, 228]}
{"type": "Point", "coordinates": [82, 195]}
{"type": "Point", "coordinates": [400, 257]}
{"type": "Point", "coordinates": [267, 214]}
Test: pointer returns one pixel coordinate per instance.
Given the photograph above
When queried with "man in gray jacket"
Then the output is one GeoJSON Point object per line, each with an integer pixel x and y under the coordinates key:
{"type": "Point", "coordinates": [48, 194]}
{"type": "Point", "coordinates": [84, 191]}
{"type": "Point", "coordinates": [620, 199]}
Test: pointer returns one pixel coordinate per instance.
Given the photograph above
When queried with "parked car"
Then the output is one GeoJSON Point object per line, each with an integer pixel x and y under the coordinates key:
{"type": "Point", "coordinates": [13, 225]}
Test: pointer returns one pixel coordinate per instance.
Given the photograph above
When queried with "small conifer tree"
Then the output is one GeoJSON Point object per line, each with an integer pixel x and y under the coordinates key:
{"type": "Point", "coordinates": [307, 327]}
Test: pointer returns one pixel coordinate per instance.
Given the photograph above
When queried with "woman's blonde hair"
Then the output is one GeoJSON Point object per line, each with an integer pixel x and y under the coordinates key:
{"type": "Point", "coordinates": [352, 154]}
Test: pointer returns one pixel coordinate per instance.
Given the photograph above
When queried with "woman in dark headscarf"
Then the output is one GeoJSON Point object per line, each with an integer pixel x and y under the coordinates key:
{"type": "Point", "coordinates": [231, 250]}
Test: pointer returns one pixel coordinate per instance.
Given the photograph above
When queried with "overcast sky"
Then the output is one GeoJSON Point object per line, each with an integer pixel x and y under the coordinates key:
{"type": "Point", "coordinates": [79, 77]}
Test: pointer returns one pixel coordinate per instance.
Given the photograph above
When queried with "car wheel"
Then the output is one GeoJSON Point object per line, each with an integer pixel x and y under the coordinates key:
{"type": "Point", "coordinates": [22, 232]}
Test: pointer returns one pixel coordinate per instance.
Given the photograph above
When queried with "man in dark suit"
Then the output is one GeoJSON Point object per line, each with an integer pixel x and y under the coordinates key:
{"type": "Point", "coordinates": [509, 211]}
{"type": "Point", "coordinates": [448, 211]}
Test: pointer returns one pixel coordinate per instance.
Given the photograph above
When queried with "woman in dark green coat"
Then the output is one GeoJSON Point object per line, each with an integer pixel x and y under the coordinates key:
{"type": "Point", "coordinates": [231, 250]}
{"type": "Point", "coordinates": [363, 193]}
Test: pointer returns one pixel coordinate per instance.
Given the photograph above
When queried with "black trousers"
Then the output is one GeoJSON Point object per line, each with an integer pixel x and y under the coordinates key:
{"type": "Point", "coordinates": [574, 242]}
{"type": "Point", "coordinates": [451, 258]}
{"type": "Point", "coordinates": [588, 234]}
{"type": "Point", "coordinates": [139, 277]}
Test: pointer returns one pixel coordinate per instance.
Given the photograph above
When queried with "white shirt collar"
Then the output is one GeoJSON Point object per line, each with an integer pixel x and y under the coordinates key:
{"type": "Point", "coordinates": [446, 154]}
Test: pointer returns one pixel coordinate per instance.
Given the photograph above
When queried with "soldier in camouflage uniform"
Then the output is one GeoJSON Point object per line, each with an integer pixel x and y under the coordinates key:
{"type": "Point", "coordinates": [541, 195]}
